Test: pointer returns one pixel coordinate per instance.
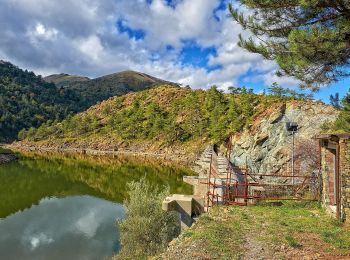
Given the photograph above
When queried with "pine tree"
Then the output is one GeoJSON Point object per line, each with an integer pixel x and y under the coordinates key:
{"type": "Point", "coordinates": [346, 102]}
{"type": "Point", "coordinates": [276, 90]}
{"type": "Point", "coordinates": [335, 101]}
{"type": "Point", "coordinates": [310, 40]}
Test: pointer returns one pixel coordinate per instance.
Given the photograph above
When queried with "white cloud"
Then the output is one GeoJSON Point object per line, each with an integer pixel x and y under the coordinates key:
{"type": "Point", "coordinates": [36, 240]}
{"type": "Point", "coordinates": [88, 224]}
{"type": "Point", "coordinates": [91, 46]}
{"type": "Point", "coordinates": [80, 37]}
{"type": "Point", "coordinates": [271, 77]}
{"type": "Point", "coordinates": [41, 32]}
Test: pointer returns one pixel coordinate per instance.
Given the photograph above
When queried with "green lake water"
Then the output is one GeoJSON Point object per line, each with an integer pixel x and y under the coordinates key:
{"type": "Point", "coordinates": [66, 206]}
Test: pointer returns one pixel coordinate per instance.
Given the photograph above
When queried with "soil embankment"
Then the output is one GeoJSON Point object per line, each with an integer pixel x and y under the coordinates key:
{"type": "Point", "coordinates": [175, 156]}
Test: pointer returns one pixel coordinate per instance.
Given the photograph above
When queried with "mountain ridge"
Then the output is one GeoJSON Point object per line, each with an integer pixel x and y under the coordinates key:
{"type": "Point", "coordinates": [101, 88]}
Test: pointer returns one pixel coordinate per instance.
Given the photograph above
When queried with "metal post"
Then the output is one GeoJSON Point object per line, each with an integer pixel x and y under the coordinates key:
{"type": "Point", "coordinates": [292, 127]}
{"type": "Point", "coordinates": [337, 181]}
{"type": "Point", "coordinates": [209, 176]}
{"type": "Point", "coordinates": [293, 159]}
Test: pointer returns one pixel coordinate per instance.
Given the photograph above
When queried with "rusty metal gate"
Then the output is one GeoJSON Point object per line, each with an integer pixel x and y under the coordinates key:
{"type": "Point", "coordinates": [239, 187]}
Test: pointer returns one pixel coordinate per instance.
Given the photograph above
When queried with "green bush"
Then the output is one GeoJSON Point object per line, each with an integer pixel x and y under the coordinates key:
{"type": "Point", "coordinates": [147, 229]}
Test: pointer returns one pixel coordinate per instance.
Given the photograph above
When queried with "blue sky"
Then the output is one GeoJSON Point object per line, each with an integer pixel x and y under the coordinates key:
{"type": "Point", "coordinates": [192, 42]}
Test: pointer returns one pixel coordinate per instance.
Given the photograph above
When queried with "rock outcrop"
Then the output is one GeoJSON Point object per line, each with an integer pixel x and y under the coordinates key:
{"type": "Point", "coordinates": [266, 147]}
{"type": "Point", "coordinates": [6, 158]}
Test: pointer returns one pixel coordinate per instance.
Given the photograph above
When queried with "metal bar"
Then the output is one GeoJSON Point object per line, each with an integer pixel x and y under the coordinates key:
{"type": "Point", "coordinates": [320, 169]}
{"type": "Point", "coordinates": [299, 188]}
{"type": "Point", "coordinates": [273, 198]}
{"type": "Point", "coordinates": [246, 186]}
{"type": "Point", "coordinates": [214, 190]}
{"type": "Point", "coordinates": [236, 189]}
{"type": "Point", "coordinates": [209, 175]}
{"type": "Point", "coordinates": [276, 175]}
{"type": "Point", "coordinates": [293, 158]}
{"type": "Point", "coordinates": [253, 184]}
{"type": "Point", "coordinates": [337, 181]}
{"type": "Point", "coordinates": [286, 199]}
{"type": "Point", "coordinates": [238, 203]}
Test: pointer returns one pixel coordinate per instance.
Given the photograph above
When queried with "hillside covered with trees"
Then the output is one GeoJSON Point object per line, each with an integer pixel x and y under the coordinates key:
{"type": "Point", "coordinates": [28, 100]}
{"type": "Point", "coordinates": [159, 117]}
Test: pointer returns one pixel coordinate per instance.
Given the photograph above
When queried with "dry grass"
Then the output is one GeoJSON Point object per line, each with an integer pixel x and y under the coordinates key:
{"type": "Point", "coordinates": [295, 230]}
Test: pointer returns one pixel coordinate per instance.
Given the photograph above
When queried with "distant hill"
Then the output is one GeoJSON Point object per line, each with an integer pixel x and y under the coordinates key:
{"type": "Point", "coordinates": [102, 88]}
{"type": "Point", "coordinates": [64, 79]}
{"type": "Point", "coordinates": [28, 100]}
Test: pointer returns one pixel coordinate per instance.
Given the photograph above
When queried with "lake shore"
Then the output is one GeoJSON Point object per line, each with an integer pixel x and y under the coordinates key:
{"type": "Point", "coordinates": [6, 158]}
{"type": "Point", "coordinates": [178, 157]}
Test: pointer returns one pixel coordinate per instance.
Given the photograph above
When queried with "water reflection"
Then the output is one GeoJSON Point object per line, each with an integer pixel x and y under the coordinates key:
{"type": "Point", "coordinates": [54, 206]}
{"type": "Point", "coordinates": [35, 176]}
{"type": "Point", "coordinates": [78, 227]}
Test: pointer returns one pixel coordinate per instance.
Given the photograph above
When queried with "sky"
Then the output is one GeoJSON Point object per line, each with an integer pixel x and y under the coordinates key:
{"type": "Point", "coordinates": [191, 42]}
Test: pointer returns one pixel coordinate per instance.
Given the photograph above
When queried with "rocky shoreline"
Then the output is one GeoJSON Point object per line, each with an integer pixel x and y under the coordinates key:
{"type": "Point", "coordinates": [187, 159]}
{"type": "Point", "coordinates": [6, 158]}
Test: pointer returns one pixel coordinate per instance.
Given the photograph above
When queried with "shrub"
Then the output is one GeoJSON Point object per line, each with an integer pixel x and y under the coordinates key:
{"type": "Point", "coordinates": [292, 241]}
{"type": "Point", "coordinates": [147, 229]}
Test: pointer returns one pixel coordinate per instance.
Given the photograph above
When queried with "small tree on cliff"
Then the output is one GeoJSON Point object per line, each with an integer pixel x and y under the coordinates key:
{"type": "Point", "coordinates": [335, 101]}
{"type": "Point", "coordinates": [309, 40]}
{"type": "Point", "coordinates": [147, 228]}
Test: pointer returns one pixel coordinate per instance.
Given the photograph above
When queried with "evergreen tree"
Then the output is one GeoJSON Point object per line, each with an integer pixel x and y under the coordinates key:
{"type": "Point", "coordinates": [234, 115]}
{"type": "Point", "coordinates": [215, 105]}
{"type": "Point", "coordinates": [342, 123]}
{"type": "Point", "coordinates": [234, 90]}
{"type": "Point", "coordinates": [346, 102]}
{"type": "Point", "coordinates": [276, 90]}
{"type": "Point", "coordinates": [310, 40]}
{"type": "Point", "coordinates": [335, 101]}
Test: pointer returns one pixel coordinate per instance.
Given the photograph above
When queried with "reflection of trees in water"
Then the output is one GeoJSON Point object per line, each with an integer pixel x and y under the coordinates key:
{"type": "Point", "coordinates": [34, 177]}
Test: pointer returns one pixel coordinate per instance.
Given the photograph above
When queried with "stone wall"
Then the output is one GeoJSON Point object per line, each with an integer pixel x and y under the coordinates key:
{"type": "Point", "coordinates": [328, 180]}
{"type": "Point", "coordinates": [344, 168]}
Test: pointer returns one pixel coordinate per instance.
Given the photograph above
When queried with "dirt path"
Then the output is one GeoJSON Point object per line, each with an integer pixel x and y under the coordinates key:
{"type": "Point", "coordinates": [254, 249]}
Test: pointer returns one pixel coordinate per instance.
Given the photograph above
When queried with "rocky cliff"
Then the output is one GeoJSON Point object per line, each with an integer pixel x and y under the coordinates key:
{"type": "Point", "coordinates": [266, 147]}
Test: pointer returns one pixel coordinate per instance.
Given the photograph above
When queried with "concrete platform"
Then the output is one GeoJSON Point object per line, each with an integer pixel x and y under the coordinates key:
{"type": "Point", "coordinates": [188, 206]}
